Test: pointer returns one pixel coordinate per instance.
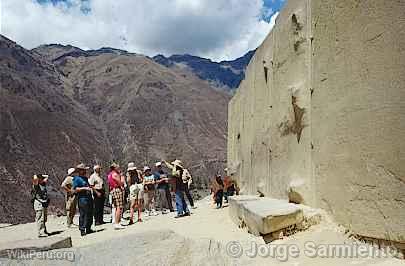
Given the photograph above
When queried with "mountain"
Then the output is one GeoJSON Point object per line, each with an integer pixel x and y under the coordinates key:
{"type": "Point", "coordinates": [42, 129]}
{"type": "Point", "coordinates": [226, 75]}
{"type": "Point", "coordinates": [62, 105]}
{"type": "Point", "coordinates": [150, 112]}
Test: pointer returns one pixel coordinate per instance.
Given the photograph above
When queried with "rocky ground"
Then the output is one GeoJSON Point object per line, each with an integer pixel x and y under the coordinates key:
{"type": "Point", "coordinates": [207, 237]}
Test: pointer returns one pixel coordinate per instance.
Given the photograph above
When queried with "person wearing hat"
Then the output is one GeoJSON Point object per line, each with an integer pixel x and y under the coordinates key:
{"type": "Point", "coordinates": [40, 201]}
{"type": "Point", "coordinates": [177, 173]}
{"type": "Point", "coordinates": [71, 199]}
{"type": "Point", "coordinates": [162, 188]}
{"type": "Point", "coordinates": [116, 185]}
{"type": "Point", "coordinates": [97, 183]}
{"type": "Point", "coordinates": [136, 190]}
{"type": "Point", "coordinates": [84, 199]}
{"type": "Point", "coordinates": [149, 188]}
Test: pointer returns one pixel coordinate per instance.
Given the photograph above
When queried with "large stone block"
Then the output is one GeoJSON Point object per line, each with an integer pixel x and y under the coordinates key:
{"type": "Point", "coordinates": [263, 216]}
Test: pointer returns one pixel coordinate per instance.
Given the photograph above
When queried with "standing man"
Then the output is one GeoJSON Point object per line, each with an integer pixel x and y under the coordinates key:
{"type": "Point", "coordinates": [97, 183]}
{"type": "Point", "coordinates": [162, 187]}
{"type": "Point", "coordinates": [134, 181]}
{"type": "Point", "coordinates": [41, 202]}
{"type": "Point", "coordinates": [84, 198]}
{"type": "Point", "coordinates": [71, 199]}
{"type": "Point", "coordinates": [177, 173]}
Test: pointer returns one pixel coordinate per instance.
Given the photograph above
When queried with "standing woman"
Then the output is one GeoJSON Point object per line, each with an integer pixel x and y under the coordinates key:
{"type": "Point", "coordinates": [41, 201]}
{"type": "Point", "coordinates": [117, 192]}
{"type": "Point", "coordinates": [84, 199]}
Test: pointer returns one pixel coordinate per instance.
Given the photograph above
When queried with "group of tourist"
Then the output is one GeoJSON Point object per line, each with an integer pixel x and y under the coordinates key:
{"type": "Point", "coordinates": [139, 190]}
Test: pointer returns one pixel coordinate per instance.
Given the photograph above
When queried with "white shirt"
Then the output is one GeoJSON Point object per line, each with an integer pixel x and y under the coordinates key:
{"type": "Point", "coordinates": [96, 181]}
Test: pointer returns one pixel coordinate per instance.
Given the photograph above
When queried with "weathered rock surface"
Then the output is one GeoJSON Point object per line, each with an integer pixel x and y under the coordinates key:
{"type": "Point", "coordinates": [7, 249]}
{"type": "Point", "coordinates": [319, 117]}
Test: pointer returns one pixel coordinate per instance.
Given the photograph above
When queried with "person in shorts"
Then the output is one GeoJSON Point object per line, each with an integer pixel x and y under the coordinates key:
{"type": "Point", "coordinates": [134, 181]}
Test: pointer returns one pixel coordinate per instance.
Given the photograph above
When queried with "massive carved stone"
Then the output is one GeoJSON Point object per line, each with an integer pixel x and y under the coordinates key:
{"type": "Point", "coordinates": [319, 118]}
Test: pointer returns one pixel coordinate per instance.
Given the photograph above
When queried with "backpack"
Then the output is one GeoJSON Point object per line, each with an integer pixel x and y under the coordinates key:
{"type": "Point", "coordinates": [33, 194]}
{"type": "Point", "coordinates": [186, 176]}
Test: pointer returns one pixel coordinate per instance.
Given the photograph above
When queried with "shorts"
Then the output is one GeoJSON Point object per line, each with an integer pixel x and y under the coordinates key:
{"type": "Point", "coordinates": [117, 198]}
{"type": "Point", "coordinates": [136, 192]}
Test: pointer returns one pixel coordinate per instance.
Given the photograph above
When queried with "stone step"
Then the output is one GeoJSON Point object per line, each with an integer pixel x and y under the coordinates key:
{"type": "Point", "coordinates": [262, 215]}
{"type": "Point", "coordinates": [34, 245]}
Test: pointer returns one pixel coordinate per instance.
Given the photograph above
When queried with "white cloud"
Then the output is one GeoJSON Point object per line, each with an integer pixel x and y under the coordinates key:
{"type": "Point", "coordinates": [220, 29]}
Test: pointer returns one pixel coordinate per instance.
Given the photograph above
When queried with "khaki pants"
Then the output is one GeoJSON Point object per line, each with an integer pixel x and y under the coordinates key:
{"type": "Point", "coordinates": [162, 199]}
{"type": "Point", "coordinates": [71, 203]}
{"type": "Point", "coordinates": [149, 196]}
{"type": "Point", "coordinates": [41, 215]}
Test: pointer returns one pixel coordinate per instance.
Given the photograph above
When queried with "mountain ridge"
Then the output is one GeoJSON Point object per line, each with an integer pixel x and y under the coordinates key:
{"type": "Point", "coordinates": [225, 75]}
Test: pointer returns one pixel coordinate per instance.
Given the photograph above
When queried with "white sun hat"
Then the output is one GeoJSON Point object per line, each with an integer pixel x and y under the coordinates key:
{"type": "Point", "coordinates": [131, 166]}
{"type": "Point", "coordinates": [71, 171]}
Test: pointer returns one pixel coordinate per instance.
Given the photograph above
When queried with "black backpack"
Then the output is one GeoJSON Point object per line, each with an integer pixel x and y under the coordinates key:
{"type": "Point", "coordinates": [33, 194]}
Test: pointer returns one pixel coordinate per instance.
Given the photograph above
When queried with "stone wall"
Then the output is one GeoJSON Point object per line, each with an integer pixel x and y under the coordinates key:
{"type": "Point", "coordinates": [319, 118]}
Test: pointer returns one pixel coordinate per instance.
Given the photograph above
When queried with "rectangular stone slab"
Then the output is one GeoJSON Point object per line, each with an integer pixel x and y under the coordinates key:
{"type": "Point", "coordinates": [38, 245]}
{"type": "Point", "coordinates": [235, 210]}
{"type": "Point", "coordinates": [264, 215]}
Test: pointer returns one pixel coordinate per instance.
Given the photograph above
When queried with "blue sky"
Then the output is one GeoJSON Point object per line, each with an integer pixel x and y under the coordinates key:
{"type": "Point", "coordinates": [220, 29]}
{"type": "Point", "coordinates": [274, 4]}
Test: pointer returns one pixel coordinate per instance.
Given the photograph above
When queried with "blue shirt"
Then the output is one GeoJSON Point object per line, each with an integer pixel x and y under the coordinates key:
{"type": "Point", "coordinates": [81, 181]}
{"type": "Point", "coordinates": [157, 175]}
